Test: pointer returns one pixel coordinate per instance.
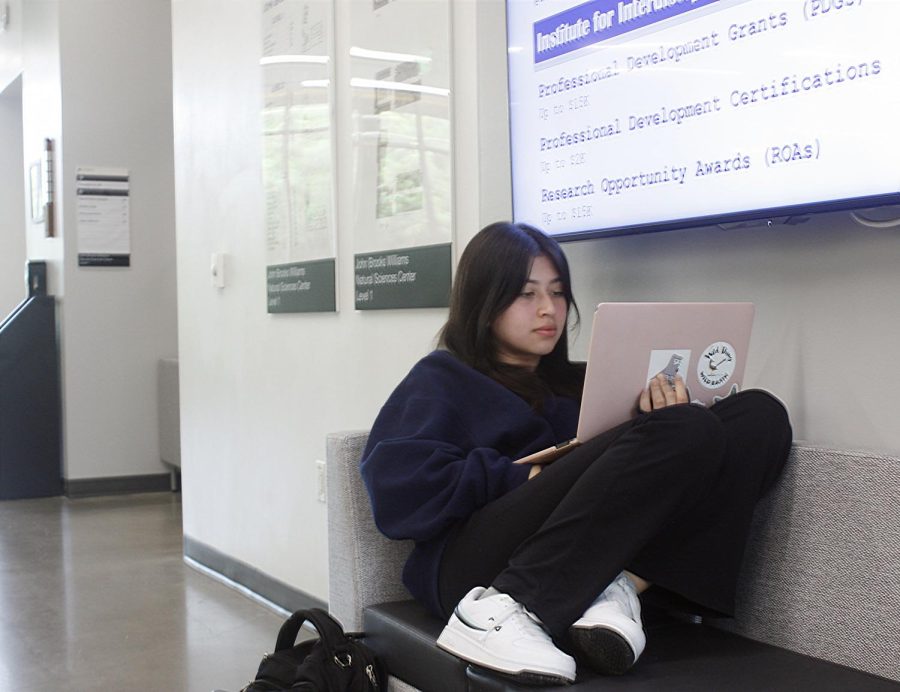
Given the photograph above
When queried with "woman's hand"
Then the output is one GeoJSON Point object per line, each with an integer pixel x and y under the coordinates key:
{"type": "Point", "coordinates": [660, 393]}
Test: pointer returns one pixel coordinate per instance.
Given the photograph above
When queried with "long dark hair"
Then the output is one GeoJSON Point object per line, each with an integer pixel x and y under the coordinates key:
{"type": "Point", "coordinates": [492, 271]}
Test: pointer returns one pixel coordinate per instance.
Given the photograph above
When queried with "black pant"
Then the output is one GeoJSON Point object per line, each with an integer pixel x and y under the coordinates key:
{"type": "Point", "coordinates": [668, 495]}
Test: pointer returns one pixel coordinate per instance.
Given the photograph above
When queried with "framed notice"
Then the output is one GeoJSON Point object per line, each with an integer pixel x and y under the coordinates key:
{"type": "Point", "coordinates": [102, 216]}
{"type": "Point", "coordinates": [298, 155]}
{"type": "Point", "coordinates": [402, 206]}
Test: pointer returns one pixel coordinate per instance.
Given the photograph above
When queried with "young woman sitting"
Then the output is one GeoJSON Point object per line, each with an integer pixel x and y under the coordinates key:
{"type": "Point", "coordinates": [537, 566]}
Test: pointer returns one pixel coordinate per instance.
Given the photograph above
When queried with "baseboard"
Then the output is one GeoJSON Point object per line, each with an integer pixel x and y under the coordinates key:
{"type": "Point", "coordinates": [258, 584]}
{"type": "Point", "coordinates": [117, 485]}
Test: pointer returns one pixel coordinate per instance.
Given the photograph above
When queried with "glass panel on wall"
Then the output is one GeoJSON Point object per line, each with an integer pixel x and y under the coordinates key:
{"type": "Point", "coordinates": [298, 155]}
{"type": "Point", "coordinates": [402, 206]}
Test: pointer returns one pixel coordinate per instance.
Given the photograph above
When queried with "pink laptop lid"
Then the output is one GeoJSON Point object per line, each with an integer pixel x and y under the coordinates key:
{"type": "Point", "coordinates": [706, 343]}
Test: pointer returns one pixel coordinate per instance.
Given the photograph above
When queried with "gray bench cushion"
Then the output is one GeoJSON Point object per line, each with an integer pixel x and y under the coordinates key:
{"type": "Point", "coordinates": [822, 570]}
{"type": "Point", "coordinates": [364, 567]}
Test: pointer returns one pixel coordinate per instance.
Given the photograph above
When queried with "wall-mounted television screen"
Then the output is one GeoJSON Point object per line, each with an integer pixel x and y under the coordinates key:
{"type": "Point", "coordinates": [640, 115]}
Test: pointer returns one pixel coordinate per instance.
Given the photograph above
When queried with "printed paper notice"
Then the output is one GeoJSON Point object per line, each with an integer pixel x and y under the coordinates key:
{"type": "Point", "coordinates": [102, 216]}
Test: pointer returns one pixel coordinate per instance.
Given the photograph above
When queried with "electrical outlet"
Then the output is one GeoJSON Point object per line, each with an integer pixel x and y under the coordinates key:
{"type": "Point", "coordinates": [320, 480]}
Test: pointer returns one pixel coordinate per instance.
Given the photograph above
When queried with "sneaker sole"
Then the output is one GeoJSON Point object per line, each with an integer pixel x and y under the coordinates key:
{"type": "Point", "coordinates": [462, 647]}
{"type": "Point", "coordinates": [603, 650]}
{"type": "Point", "coordinates": [527, 678]}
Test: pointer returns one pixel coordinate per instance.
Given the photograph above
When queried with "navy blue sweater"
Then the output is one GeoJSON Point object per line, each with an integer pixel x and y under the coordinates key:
{"type": "Point", "coordinates": [442, 447]}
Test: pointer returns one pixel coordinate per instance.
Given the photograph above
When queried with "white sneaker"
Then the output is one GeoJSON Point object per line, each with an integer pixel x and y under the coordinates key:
{"type": "Point", "coordinates": [497, 632]}
{"type": "Point", "coordinates": [609, 637]}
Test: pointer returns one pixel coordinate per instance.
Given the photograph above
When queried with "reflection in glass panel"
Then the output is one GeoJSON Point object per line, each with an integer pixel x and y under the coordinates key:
{"type": "Point", "coordinates": [402, 133]}
{"type": "Point", "coordinates": [297, 168]}
{"type": "Point", "coordinates": [400, 78]}
{"type": "Point", "coordinates": [298, 151]}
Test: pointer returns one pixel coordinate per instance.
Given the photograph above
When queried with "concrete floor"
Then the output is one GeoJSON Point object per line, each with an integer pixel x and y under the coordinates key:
{"type": "Point", "coordinates": [95, 595]}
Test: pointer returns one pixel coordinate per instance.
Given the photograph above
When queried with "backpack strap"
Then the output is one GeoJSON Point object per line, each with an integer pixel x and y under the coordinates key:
{"type": "Point", "coordinates": [330, 631]}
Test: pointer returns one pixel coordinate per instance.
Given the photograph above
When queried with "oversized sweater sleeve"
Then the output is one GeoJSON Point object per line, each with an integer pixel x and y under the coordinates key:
{"type": "Point", "coordinates": [424, 468]}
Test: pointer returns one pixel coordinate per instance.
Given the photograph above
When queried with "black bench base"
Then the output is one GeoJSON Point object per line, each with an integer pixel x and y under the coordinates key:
{"type": "Point", "coordinates": [680, 656]}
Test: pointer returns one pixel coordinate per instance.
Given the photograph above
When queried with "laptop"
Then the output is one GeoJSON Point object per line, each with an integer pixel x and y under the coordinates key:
{"type": "Point", "coordinates": [631, 343]}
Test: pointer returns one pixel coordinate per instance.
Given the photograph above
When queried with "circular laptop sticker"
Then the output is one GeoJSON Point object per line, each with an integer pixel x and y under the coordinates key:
{"type": "Point", "coordinates": [716, 366]}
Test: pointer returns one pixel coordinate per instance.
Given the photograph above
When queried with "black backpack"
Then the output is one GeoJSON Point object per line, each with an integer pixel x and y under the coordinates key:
{"type": "Point", "coordinates": [335, 662]}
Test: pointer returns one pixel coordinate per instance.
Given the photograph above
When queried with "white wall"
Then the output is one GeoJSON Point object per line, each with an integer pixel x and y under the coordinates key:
{"type": "Point", "coordinates": [12, 183]}
{"type": "Point", "coordinates": [827, 312]}
{"type": "Point", "coordinates": [11, 44]}
{"type": "Point", "coordinates": [96, 79]}
{"type": "Point", "coordinates": [260, 392]}
{"type": "Point", "coordinates": [12, 199]}
{"type": "Point", "coordinates": [42, 118]}
{"type": "Point", "coordinates": [117, 322]}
